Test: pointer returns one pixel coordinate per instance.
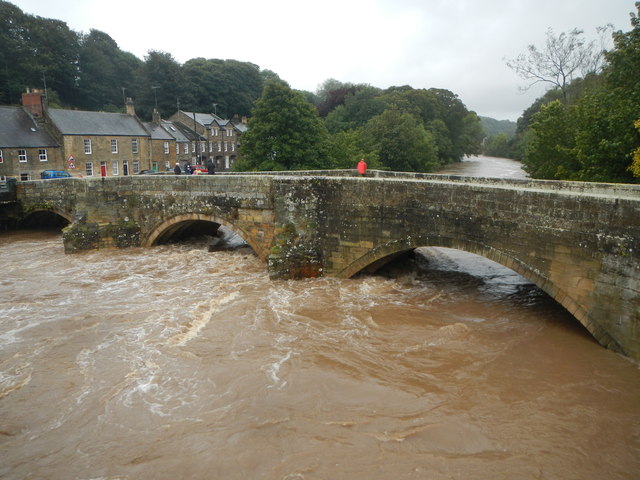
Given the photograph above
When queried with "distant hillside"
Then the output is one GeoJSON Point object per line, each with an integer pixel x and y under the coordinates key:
{"type": "Point", "coordinates": [493, 127]}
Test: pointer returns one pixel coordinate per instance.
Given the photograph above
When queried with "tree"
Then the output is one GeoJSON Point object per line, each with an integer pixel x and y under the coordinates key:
{"type": "Point", "coordinates": [400, 142]}
{"type": "Point", "coordinates": [550, 152]}
{"type": "Point", "coordinates": [104, 71]}
{"type": "Point", "coordinates": [161, 81]}
{"type": "Point", "coordinates": [561, 60]}
{"type": "Point", "coordinates": [285, 133]}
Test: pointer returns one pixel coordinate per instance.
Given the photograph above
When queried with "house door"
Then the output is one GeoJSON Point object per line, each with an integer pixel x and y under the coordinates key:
{"type": "Point", "coordinates": [125, 168]}
{"type": "Point", "coordinates": [103, 169]}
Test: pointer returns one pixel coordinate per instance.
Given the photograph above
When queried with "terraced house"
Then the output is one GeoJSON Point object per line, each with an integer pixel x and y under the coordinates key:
{"type": "Point", "coordinates": [34, 138]}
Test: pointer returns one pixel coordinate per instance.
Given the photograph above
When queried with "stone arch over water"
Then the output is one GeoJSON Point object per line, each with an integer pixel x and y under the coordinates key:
{"type": "Point", "coordinates": [47, 217]}
{"type": "Point", "coordinates": [171, 227]}
{"type": "Point", "coordinates": [382, 254]}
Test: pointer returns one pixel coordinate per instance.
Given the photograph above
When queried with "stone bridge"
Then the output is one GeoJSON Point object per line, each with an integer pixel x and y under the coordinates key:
{"type": "Point", "coordinates": [579, 242]}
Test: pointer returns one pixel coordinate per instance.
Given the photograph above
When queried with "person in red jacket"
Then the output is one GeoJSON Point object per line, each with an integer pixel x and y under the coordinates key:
{"type": "Point", "coordinates": [362, 167]}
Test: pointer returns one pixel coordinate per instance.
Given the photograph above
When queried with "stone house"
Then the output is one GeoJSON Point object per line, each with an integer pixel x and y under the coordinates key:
{"type": "Point", "coordinates": [162, 145]}
{"type": "Point", "coordinates": [220, 137]}
{"type": "Point", "coordinates": [26, 148]}
{"type": "Point", "coordinates": [100, 143]}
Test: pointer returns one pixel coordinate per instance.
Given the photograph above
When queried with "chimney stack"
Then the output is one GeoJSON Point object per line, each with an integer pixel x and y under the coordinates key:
{"type": "Point", "coordinates": [34, 102]}
{"type": "Point", "coordinates": [155, 117]}
{"type": "Point", "coordinates": [129, 108]}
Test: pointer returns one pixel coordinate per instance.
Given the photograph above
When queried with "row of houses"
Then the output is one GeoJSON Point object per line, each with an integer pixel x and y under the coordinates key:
{"type": "Point", "coordinates": [34, 138]}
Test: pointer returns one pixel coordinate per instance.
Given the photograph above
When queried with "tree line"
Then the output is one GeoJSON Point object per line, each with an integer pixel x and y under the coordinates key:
{"type": "Point", "coordinates": [89, 71]}
{"type": "Point", "coordinates": [587, 126]}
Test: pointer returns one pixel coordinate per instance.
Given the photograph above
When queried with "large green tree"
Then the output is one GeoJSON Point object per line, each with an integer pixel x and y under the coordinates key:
{"type": "Point", "coordinates": [400, 142]}
{"type": "Point", "coordinates": [285, 133]}
{"type": "Point", "coordinates": [107, 75]}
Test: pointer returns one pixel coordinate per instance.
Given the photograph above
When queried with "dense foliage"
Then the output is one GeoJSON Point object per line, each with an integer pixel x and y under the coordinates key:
{"type": "Point", "coordinates": [285, 133]}
{"type": "Point", "coordinates": [588, 131]}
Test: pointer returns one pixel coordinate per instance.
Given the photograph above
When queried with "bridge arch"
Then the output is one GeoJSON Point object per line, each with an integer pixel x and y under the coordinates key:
{"type": "Point", "coordinates": [47, 216]}
{"type": "Point", "coordinates": [169, 226]}
{"type": "Point", "coordinates": [379, 256]}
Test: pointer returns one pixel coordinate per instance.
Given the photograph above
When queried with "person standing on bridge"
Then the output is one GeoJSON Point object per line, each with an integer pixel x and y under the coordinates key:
{"type": "Point", "coordinates": [211, 167]}
{"type": "Point", "coordinates": [177, 170]}
{"type": "Point", "coordinates": [362, 167]}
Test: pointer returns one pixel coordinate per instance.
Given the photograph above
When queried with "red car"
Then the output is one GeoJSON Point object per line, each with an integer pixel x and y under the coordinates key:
{"type": "Point", "coordinates": [199, 169]}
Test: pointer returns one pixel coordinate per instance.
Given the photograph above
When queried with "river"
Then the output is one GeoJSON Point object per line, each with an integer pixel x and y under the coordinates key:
{"type": "Point", "coordinates": [178, 363]}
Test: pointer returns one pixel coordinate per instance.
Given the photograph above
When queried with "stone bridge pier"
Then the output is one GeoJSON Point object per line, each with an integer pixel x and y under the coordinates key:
{"type": "Point", "coordinates": [579, 242]}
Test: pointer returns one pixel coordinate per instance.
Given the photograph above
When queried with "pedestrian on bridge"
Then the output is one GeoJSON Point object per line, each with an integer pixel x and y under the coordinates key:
{"type": "Point", "coordinates": [362, 167]}
{"type": "Point", "coordinates": [177, 170]}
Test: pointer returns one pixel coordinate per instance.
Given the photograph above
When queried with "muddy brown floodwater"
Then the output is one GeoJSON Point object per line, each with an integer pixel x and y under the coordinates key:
{"type": "Point", "coordinates": [173, 362]}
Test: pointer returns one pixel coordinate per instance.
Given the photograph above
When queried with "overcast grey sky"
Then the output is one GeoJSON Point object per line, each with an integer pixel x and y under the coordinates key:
{"type": "Point", "coordinates": [459, 45]}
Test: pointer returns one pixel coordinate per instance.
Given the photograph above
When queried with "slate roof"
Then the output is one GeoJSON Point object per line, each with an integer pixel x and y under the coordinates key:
{"type": "Point", "coordinates": [76, 122]}
{"type": "Point", "coordinates": [174, 131]}
{"type": "Point", "coordinates": [204, 119]}
{"type": "Point", "coordinates": [19, 130]}
{"type": "Point", "coordinates": [157, 132]}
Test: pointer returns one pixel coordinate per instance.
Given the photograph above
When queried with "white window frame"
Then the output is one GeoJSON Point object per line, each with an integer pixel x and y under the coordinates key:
{"type": "Point", "coordinates": [229, 132]}
{"type": "Point", "coordinates": [42, 154]}
{"type": "Point", "coordinates": [136, 167]}
{"type": "Point", "coordinates": [210, 147]}
{"type": "Point", "coordinates": [114, 146]}
{"type": "Point", "coordinates": [186, 148]}
{"type": "Point", "coordinates": [177, 148]}
{"type": "Point", "coordinates": [219, 146]}
{"type": "Point", "coordinates": [134, 145]}
{"type": "Point", "coordinates": [22, 156]}
{"type": "Point", "coordinates": [166, 148]}
{"type": "Point", "coordinates": [193, 146]}
{"type": "Point", "coordinates": [1, 157]}
{"type": "Point", "coordinates": [87, 147]}
{"type": "Point", "coordinates": [115, 168]}
{"type": "Point", "coordinates": [88, 167]}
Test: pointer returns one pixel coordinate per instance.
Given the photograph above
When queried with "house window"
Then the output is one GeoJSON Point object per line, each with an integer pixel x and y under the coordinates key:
{"type": "Point", "coordinates": [186, 148]}
{"type": "Point", "coordinates": [134, 145]}
{"type": "Point", "coordinates": [24, 177]}
{"type": "Point", "coordinates": [115, 168]}
{"type": "Point", "coordinates": [219, 146]}
{"type": "Point", "coordinates": [136, 167]}
{"type": "Point", "coordinates": [226, 146]}
{"type": "Point", "coordinates": [1, 157]}
{"type": "Point", "coordinates": [203, 147]}
{"type": "Point", "coordinates": [177, 148]}
{"type": "Point", "coordinates": [114, 146]}
{"type": "Point", "coordinates": [22, 156]}
{"type": "Point", "coordinates": [167, 166]}
{"type": "Point", "coordinates": [233, 147]}
{"type": "Point", "coordinates": [87, 147]}
{"type": "Point", "coordinates": [42, 155]}
{"type": "Point", "coordinates": [210, 147]}
{"type": "Point", "coordinates": [166, 148]}
{"type": "Point", "coordinates": [88, 167]}
{"type": "Point", "coordinates": [214, 132]}
{"type": "Point", "coordinates": [229, 132]}
{"type": "Point", "coordinates": [193, 147]}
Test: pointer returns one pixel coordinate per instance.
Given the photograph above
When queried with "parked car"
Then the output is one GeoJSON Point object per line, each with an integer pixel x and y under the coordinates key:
{"type": "Point", "coordinates": [199, 169]}
{"type": "Point", "coordinates": [54, 174]}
